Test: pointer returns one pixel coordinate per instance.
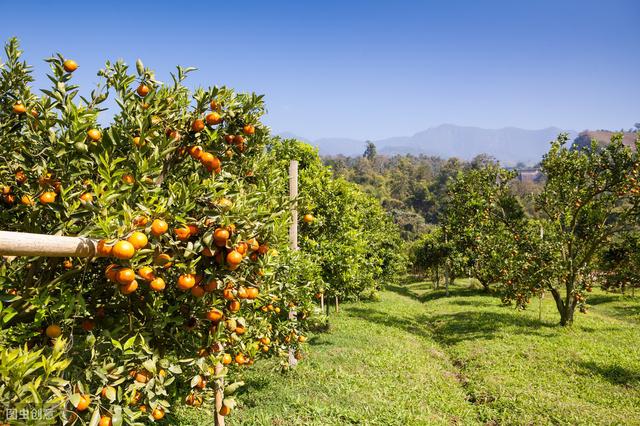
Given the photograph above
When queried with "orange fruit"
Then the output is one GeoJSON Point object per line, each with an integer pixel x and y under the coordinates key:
{"type": "Point", "coordinates": [240, 359]}
{"type": "Point", "coordinates": [27, 200]}
{"type": "Point", "coordinates": [195, 151]}
{"type": "Point", "coordinates": [193, 229]}
{"type": "Point", "coordinates": [158, 413]}
{"type": "Point", "coordinates": [138, 240]}
{"type": "Point", "coordinates": [70, 65]}
{"type": "Point", "coordinates": [308, 218]}
{"type": "Point", "coordinates": [53, 331]}
{"type": "Point", "coordinates": [18, 108]}
{"type": "Point", "coordinates": [146, 272]}
{"type": "Point", "coordinates": [248, 129]}
{"type": "Point", "coordinates": [125, 276]}
{"type": "Point", "coordinates": [128, 179]}
{"type": "Point", "coordinates": [197, 125]}
{"type": "Point", "coordinates": [111, 272]}
{"type": "Point", "coordinates": [226, 359]}
{"type": "Point", "coordinates": [197, 291]}
{"type": "Point", "coordinates": [238, 140]}
{"type": "Point", "coordinates": [142, 90]}
{"type": "Point", "coordinates": [242, 248]}
{"type": "Point", "coordinates": [252, 293]}
{"type": "Point", "coordinates": [87, 325]}
{"type": "Point", "coordinates": [159, 227]}
{"type": "Point", "coordinates": [142, 376]}
{"type": "Point", "coordinates": [206, 252]}
{"type": "Point", "coordinates": [224, 411]}
{"type": "Point", "coordinates": [240, 330]}
{"type": "Point", "coordinates": [85, 400]}
{"type": "Point", "coordinates": [213, 105]}
{"type": "Point", "coordinates": [129, 288]}
{"type": "Point", "coordinates": [157, 284]}
{"type": "Point", "coordinates": [138, 142]}
{"type": "Point", "coordinates": [209, 161]}
{"type": "Point", "coordinates": [220, 237]}
{"type": "Point", "coordinates": [242, 292]}
{"type": "Point", "coordinates": [104, 249]}
{"type": "Point", "coordinates": [105, 421]}
{"type": "Point", "coordinates": [104, 390]}
{"type": "Point", "coordinates": [123, 250]}
{"type": "Point", "coordinates": [48, 197]}
{"type": "Point", "coordinates": [302, 339]}
{"type": "Point", "coordinates": [186, 281]}
{"type": "Point", "coordinates": [94, 135]}
{"type": "Point", "coordinates": [265, 340]}
{"type": "Point", "coordinates": [67, 264]}
{"type": "Point", "coordinates": [87, 197]}
{"type": "Point", "coordinates": [213, 118]}
{"type": "Point", "coordinates": [164, 260]}
{"type": "Point", "coordinates": [234, 258]}
{"type": "Point", "coordinates": [140, 220]}
{"type": "Point", "coordinates": [183, 233]}
{"type": "Point", "coordinates": [229, 138]}
{"type": "Point", "coordinates": [228, 294]}
{"type": "Point", "coordinates": [253, 244]}
{"type": "Point", "coordinates": [214, 315]}
{"type": "Point", "coordinates": [234, 306]}
{"type": "Point", "coordinates": [21, 177]}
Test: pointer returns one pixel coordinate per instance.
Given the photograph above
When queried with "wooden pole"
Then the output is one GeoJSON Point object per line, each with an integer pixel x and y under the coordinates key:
{"type": "Point", "coordinates": [322, 302]}
{"type": "Point", "coordinates": [219, 395]}
{"type": "Point", "coordinates": [293, 235]}
{"type": "Point", "coordinates": [337, 309]}
{"type": "Point", "coordinates": [25, 244]}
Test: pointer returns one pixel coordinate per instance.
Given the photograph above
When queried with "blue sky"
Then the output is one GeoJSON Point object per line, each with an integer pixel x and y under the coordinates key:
{"type": "Point", "coordinates": [367, 69]}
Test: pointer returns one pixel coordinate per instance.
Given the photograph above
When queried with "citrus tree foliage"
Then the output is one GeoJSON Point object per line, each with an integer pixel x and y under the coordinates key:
{"type": "Point", "coordinates": [476, 197]}
{"type": "Point", "coordinates": [194, 268]}
{"type": "Point", "coordinates": [350, 236]}
{"type": "Point", "coordinates": [620, 263]}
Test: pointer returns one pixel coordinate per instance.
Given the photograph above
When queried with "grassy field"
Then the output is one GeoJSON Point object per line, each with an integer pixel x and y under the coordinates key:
{"type": "Point", "coordinates": [417, 357]}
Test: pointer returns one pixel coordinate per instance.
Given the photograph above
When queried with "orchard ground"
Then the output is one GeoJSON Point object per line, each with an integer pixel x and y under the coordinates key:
{"type": "Point", "coordinates": [417, 357]}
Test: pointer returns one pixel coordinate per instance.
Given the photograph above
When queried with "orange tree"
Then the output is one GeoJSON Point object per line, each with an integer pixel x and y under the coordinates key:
{"type": "Point", "coordinates": [346, 232]}
{"type": "Point", "coordinates": [194, 270]}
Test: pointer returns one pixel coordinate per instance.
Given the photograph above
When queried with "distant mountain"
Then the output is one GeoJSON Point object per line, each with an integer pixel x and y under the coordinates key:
{"type": "Point", "coordinates": [510, 145]}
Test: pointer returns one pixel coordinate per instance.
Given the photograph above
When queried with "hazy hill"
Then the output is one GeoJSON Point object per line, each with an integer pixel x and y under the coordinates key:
{"type": "Point", "coordinates": [510, 145]}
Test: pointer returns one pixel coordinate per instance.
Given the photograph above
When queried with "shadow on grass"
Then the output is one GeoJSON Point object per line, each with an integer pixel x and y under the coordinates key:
{"type": "Point", "coordinates": [622, 307]}
{"type": "Point", "coordinates": [614, 374]}
{"type": "Point", "coordinates": [417, 325]}
{"type": "Point", "coordinates": [454, 291]}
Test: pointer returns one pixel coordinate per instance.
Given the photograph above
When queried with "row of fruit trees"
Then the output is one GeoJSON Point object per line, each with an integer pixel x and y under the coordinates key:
{"type": "Point", "coordinates": [193, 279]}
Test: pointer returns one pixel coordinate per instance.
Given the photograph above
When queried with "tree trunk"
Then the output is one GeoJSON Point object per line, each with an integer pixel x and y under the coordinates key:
{"type": "Point", "coordinates": [436, 282]}
{"type": "Point", "coordinates": [446, 281]}
{"type": "Point", "coordinates": [565, 308]}
{"type": "Point", "coordinates": [485, 284]}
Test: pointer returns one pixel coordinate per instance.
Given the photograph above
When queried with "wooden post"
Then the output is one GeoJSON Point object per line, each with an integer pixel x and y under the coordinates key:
{"type": "Point", "coordinates": [322, 303]}
{"type": "Point", "coordinates": [293, 235]}
{"type": "Point", "coordinates": [25, 244]}
{"type": "Point", "coordinates": [219, 395]}
{"type": "Point", "coordinates": [337, 309]}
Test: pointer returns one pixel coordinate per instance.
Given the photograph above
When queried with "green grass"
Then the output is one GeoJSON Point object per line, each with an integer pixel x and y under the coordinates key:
{"type": "Point", "coordinates": [417, 357]}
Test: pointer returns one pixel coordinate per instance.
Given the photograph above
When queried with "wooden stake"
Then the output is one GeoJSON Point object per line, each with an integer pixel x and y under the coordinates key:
{"type": "Point", "coordinates": [25, 244]}
{"type": "Point", "coordinates": [322, 302]}
{"type": "Point", "coordinates": [293, 235]}
{"type": "Point", "coordinates": [219, 394]}
{"type": "Point", "coordinates": [337, 309]}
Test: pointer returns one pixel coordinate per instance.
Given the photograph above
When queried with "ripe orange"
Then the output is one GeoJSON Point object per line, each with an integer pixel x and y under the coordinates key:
{"type": "Point", "coordinates": [211, 286]}
{"type": "Point", "coordinates": [227, 293]}
{"type": "Point", "coordinates": [234, 258]}
{"type": "Point", "coordinates": [138, 240]}
{"type": "Point", "coordinates": [18, 108]}
{"type": "Point", "coordinates": [70, 65]}
{"type": "Point", "coordinates": [209, 161]}
{"type": "Point", "coordinates": [197, 125]}
{"type": "Point", "coordinates": [85, 400]}
{"type": "Point", "coordinates": [142, 376]}
{"type": "Point", "coordinates": [186, 281]}
{"type": "Point", "coordinates": [182, 233]}
{"type": "Point", "coordinates": [142, 90]}
{"type": "Point", "coordinates": [87, 325]}
{"type": "Point", "coordinates": [224, 411]}
{"type": "Point", "coordinates": [214, 315]}
{"type": "Point", "coordinates": [129, 288]}
{"type": "Point", "coordinates": [226, 359]}
{"type": "Point", "coordinates": [263, 249]}
{"type": "Point", "coordinates": [206, 252]}
{"type": "Point", "coordinates": [265, 340]}
{"type": "Point", "coordinates": [240, 359]}
{"type": "Point", "coordinates": [164, 260]}
{"type": "Point", "coordinates": [105, 421]}
{"type": "Point", "coordinates": [220, 237]}
{"type": "Point", "coordinates": [234, 306]}
{"type": "Point", "coordinates": [53, 331]}
{"type": "Point", "coordinates": [27, 200]}
{"type": "Point", "coordinates": [128, 179]}
{"type": "Point", "coordinates": [67, 264]}
{"type": "Point", "coordinates": [111, 272]}
{"type": "Point", "coordinates": [159, 227]}
{"type": "Point", "coordinates": [123, 250]}
{"type": "Point", "coordinates": [214, 105]}
{"type": "Point", "coordinates": [125, 275]}
{"type": "Point", "coordinates": [238, 140]}
{"type": "Point", "coordinates": [139, 142]}
{"type": "Point", "coordinates": [104, 390]}
{"type": "Point", "coordinates": [308, 218]}
{"type": "Point", "coordinates": [229, 138]}
{"type": "Point", "coordinates": [21, 177]}
{"type": "Point", "coordinates": [240, 330]}
{"type": "Point", "coordinates": [242, 248]}
{"type": "Point", "coordinates": [94, 135]}
{"type": "Point", "coordinates": [158, 413]}
{"type": "Point", "coordinates": [146, 272]}
{"type": "Point", "coordinates": [248, 129]}
{"type": "Point", "coordinates": [140, 220]}
{"type": "Point", "coordinates": [104, 249]}
{"type": "Point", "coordinates": [48, 197]}
{"type": "Point", "coordinates": [157, 284]}
{"type": "Point", "coordinates": [253, 244]}
{"type": "Point", "coordinates": [213, 118]}
{"type": "Point", "coordinates": [302, 339]}
{"type": "Point", "coordinates": [195, 151]}
{"type": "Point", "coordinates": [252, 293]}
{"type": "Point", "coordinates": [193, 229]}
{"type": "Point", "coordinates": [197, 291]}
{"type": "Point", "coordinates": [87, 197]}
